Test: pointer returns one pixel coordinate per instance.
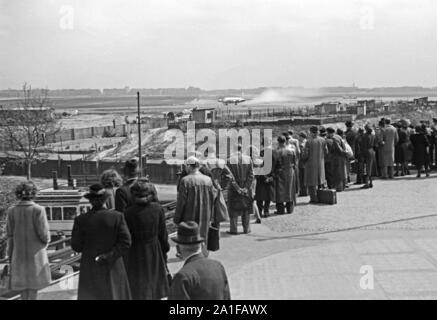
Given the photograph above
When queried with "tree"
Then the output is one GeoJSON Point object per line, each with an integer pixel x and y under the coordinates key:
{"type": "Point", "coordinates": [26, 128]}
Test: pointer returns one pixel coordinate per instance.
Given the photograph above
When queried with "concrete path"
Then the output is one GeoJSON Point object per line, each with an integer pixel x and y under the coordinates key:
{"type": "Point", "coordinates": [375, 244]}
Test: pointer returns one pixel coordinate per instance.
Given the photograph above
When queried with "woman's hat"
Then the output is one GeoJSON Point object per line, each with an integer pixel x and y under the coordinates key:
{"type": "Point", "coordinates": [188, 233]}
{"type": "Point", "coordinates": [96, 191]}
{"type": "Point", "coordinates": [142, 188]}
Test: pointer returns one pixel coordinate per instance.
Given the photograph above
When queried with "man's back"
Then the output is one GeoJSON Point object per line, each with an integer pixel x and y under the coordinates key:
{"type": "Point", "coordinates": [200, 279]}
{"type": "Point", "coordinates": [195, 201]}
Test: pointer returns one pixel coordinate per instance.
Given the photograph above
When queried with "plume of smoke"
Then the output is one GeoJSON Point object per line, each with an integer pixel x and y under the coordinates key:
{"type": "Point", "coordinates": [285, 95]}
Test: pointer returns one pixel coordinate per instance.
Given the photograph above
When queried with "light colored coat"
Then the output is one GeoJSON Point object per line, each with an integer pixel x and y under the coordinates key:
{"type": "Point", "coordinates": [195, 201]}
{"type": "Point", "coordinates": [315, 151]}
{"type": "Point", "coordinates": [390, 138]}
{"type": "Point", "coordinates": [28, 235]}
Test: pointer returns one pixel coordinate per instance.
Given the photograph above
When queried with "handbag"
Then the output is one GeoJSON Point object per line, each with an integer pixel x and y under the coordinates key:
{"type": "Point", "coordinates": [213, 239]}
{"type": "Point", "coordinates": [5, 278]}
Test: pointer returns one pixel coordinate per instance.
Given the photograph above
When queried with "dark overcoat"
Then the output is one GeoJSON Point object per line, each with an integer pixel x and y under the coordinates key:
{"type": "Point", "coordinates": [286, 186]}
{"type": "Point", "coordinates": [200, 279]}
{"type": "Point", "coordinates": [147, 256]}
{"type": "Point", "coordinates": [265, 184]}
{"type": "Point", "coordinates": [123, 196]}
{"type": "Point", "coordinates": [420, 144]}
{"type": "Point", "coordinates": [241, 167]}
{"type": "Point", "coordinates": [367, 145]}
{"type": "Point", "coordinates": [337, 154]}
{"type": "Point", "coordinates": [95, 233]}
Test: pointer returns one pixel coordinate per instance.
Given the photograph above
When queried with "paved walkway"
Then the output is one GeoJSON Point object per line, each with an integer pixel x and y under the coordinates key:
{"type": "Point", "coordinates": [385, 236]}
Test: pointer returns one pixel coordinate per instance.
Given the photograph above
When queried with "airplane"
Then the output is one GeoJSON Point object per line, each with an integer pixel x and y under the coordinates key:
{"type": "Point", "coordinates": [234, 100]}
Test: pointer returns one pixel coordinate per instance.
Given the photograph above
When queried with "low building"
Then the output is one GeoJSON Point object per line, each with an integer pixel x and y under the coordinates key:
{"type": "Point", "coordinates": [328, 108]}
{"type": "Point", "coordinates": [361, 110]}
{"type": "Point", "coordinates": [421, 101]}
{"type": "Point", "coordinates": [204, 115]}
{"type": "Point", "coordinates": [369, 104]}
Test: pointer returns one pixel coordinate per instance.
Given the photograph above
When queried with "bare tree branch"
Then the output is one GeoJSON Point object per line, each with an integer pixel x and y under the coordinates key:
{"type": "Point", "coordinates": [23, 127]}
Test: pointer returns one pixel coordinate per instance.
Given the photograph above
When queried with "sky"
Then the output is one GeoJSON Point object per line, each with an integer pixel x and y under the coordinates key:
{"type": "Point", "coordinates": [217, 44]}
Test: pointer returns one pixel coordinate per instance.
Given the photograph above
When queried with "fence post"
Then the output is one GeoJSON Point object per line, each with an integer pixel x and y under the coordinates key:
{"type": "Point", "coordinates": [55, 180]}
{"type": "Point", "coordinates": [69, 178]}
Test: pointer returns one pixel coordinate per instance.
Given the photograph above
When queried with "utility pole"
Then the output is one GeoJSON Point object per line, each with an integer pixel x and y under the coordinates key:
{"type": "Point", "coordinates": [139, 136]}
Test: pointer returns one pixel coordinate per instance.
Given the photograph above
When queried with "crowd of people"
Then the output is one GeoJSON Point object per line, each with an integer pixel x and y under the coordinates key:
{"type": "Point", "coordinates": [124, 240]}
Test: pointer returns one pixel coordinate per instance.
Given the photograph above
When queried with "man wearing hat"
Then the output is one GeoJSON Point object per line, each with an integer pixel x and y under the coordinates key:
{"type": "Point", "coordinates": [314, 155]}
{"type": "Point", "coordinates": [390, 138]}
{"type": "Point", "coordinates": [337, 154]}
{"type": "Point", "coordinates": [351, 138]}
{"type": "Point", "coordinates": [303, 190]}
{"type": "Point", "coordinates": [240, 199]}
{"type": "Point", "coordinates": [123, 196]}
{"type": "Point", "coordinates": [195, 199]}
{"type": "Point", "coordinates": [433, 144]}
{"type": "Point", "coordinates": [200, 278]}
{"type": "Point", "coordinates": [102, 236]}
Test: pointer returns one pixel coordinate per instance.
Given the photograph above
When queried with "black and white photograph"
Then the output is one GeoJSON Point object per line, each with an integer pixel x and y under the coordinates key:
{"type": "Point", "coordinates": [234, 152]}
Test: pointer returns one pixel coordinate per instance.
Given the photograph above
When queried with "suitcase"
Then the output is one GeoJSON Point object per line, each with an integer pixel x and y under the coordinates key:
{"type": "Point", "coordinates": [327, 196]}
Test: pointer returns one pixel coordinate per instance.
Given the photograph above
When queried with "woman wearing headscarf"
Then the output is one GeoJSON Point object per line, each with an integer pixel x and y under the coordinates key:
{"type": "Point", "coordinates": [102, 236]}
{"type": "Point", "coordinates": [110, 180]}
{"type": "Point", "coordinates": [28, 236]}
{"type": "Point", "coordinates": [147, 257]}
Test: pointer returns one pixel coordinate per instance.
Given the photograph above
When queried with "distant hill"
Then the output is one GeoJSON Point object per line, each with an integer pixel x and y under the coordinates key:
{"type": "Point", "coordinates": [197, 92]}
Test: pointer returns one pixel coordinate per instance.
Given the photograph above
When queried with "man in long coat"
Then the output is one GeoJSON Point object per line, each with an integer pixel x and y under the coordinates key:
{"type": "Point", "coordinates": [351, 138]}
{"type": "Point", "coordinates": [389, 139]}
{"type": "Point", "coordinates": [102, 236]}
{"type": "Point", "coordinates": [314, 155]}
{"type": "Point", "coordinates": [240, 201]}
{"type": "Point", "coordinates": [265, 184]}
{"type": "Point", "coordinates": [286, 186]}
{"type": "Point", "coordinates": [337, 153]}
{"type": "Point", "coordinates": [195, 199]}
{"type": "Point", "coordinates": [303, 190]}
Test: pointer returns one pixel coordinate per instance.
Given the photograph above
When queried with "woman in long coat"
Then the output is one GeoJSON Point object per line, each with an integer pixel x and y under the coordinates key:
{"type": "Point", "coordinates": [102, 236]}
{"type": "Point", "coordinates": [402, 151]}
{"type": "Point", "coordinates": [420, 146]}
{"type": "Point", "coordinates": [111, 180]}
{"type": "Point", "coordinates": [147, 257]}
{"type": "Point", "coordinates": [28, 236]}
{"type": "Point", "coordinates": [286, 186]}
